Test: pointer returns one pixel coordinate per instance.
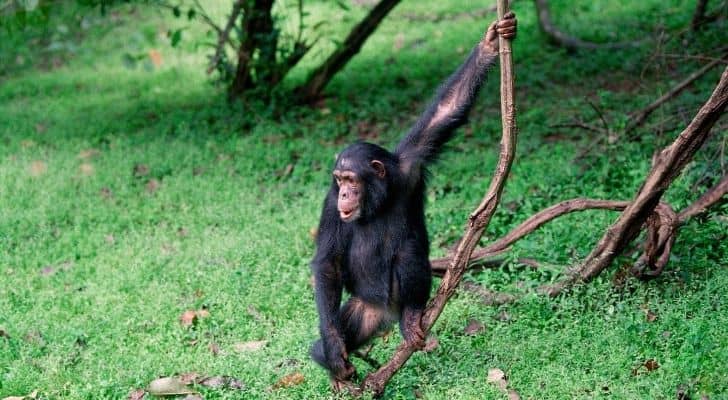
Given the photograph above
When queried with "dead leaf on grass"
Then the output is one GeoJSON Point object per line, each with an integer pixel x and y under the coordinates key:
{"type": "Point", "coordinates": [289, 380]}
{"type": "Point", "coordinates": [398, 42]}
{"type": "Point", "coordinates": [188, 318]}
{"type": "Point", "coordinates": [288, 170]}
{"type": "Point", "coordinates": [214, 348]}
{"type": "Point", "coordinates": [497, 377]}
{"type": "Point", "coordinates": [189, 377]}
{"type": "Point", "coordinates": [503, 316]}
{"type": "Point", "coordinates": [651, 365]}
{"type": "Point", "coordinates": [153, 185]}
{"type": "Point", "coordinates": [31, 396]}
{"type": "Point", "coordinates": [255, 313]}
{"type": "Point", "coordinates": [88, 153]}
{"type": "Point", "coordinates": [137, 394]}
{"type": "Point", "coordinates": [155, 57]}
{"type": "Point", "coordinates": [86, 169]}
{"type": "Point", "coordinates": [38, 168]}
{"type": "Point", "coordinates": [168, 386]}
{"type": "Point", "coordinates": [106, 193]}
{"type": "Point", "coordinates": [141, 170]}
{"type": "Point", "coordinates": [48, 270]}
{"type": "Point", "coordinates": [36, 338]}
{"type": "Point", "coordinates": [650, 316]}
{"type": "Point", "coordinates": [219, 382]}
{"type": "Point", "coordinates": [253, 345]}
{"type": "Point", "coordinates": [474, 327]}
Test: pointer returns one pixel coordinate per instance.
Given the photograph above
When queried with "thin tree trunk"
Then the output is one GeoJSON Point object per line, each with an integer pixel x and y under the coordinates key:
{"type": "Point", "coordinates": [257, 24]}
{"type": "Point", "coordinates": [699, 14]}
{"type": "Point", "coordinates": [640, 117]}
{"type": "Point", "coordinates": [223, 35]}
{"type": "Point", "coordinates": [316, 82]}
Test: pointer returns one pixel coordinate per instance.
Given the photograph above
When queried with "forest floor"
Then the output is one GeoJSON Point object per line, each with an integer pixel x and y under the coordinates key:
{"type": "Point", "coordinates": [129, 196]}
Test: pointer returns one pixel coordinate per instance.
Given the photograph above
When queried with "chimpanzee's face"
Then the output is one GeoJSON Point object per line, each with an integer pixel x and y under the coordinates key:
{"type": "Point", "coordinates": [350, 194]}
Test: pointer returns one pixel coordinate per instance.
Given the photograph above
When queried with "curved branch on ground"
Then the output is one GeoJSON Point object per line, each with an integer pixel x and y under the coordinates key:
{"type": "Point", "coordinates": [531, 224]}
{"type": "Point", "coordinates": [562, 39]}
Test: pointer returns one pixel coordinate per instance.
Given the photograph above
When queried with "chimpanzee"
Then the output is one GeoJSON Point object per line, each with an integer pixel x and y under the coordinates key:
{"type": "Point", "coordinates": [372, 239]}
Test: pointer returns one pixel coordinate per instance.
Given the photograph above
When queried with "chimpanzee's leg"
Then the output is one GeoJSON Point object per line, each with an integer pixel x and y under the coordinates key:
{"type": "Point", "coordinates": [360, 321]}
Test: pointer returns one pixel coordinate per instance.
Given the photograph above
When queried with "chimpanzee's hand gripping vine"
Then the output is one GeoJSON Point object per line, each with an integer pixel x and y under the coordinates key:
{"type": "Point", "coordinates": [372, 239]}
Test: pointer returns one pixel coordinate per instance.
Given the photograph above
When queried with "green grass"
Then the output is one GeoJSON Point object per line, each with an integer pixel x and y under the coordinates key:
{"type": "Point", "coordinates": [96, 269]}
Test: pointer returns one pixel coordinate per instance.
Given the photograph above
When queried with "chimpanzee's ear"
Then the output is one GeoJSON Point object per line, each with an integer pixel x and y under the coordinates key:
{"type": "Point", "coordinates": [379, 168]}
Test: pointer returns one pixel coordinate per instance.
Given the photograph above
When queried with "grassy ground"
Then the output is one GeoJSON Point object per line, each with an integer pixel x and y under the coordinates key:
{"type": "Point", "coordinates": [128, 196]}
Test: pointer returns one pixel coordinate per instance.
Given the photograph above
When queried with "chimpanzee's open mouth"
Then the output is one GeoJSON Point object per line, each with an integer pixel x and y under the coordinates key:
{"type": "Point", "coordinates": [347, 214]}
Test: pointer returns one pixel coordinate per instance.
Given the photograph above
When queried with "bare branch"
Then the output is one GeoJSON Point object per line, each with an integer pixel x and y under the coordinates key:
{"type": "Point", "coordinates": [709, 198]}
{"type": "Point", "coordinates": [580, 125]}
{"type": "Point", "coordinates": [599, 114]}
{"type": "Point", "coordinates": [534, 222]}
{"type": "Point", "coordinates": [320, 77]}
{"type": "Point", "coordinates": [200, 11]}
{"type": "Point", "coordinates": [223, 36]}
{"type": "Point", "coordinates": [641, 116]}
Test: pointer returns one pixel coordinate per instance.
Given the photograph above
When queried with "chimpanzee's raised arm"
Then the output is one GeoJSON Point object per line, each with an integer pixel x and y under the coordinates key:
{"type": "Point", "coordinates": [452, 103]}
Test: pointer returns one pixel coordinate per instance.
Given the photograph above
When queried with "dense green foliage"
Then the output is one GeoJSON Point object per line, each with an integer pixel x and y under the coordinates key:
{"type": "Point", "coordinates": [128, 196]}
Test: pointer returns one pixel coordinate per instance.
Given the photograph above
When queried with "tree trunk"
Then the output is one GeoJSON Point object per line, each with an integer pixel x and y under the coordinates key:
{"type": "Point", "coordinates": [316, 82]}
{"type": "Point", "coordinates": [257, 28]}
{"type": "Point", "coordinates": [699, 14]}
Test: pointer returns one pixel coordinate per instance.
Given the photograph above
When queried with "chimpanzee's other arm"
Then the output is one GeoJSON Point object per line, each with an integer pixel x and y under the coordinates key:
{"type": "Point", "coordinates": [328, 302]}
{"type": "Point", "coordinates": [328, 287]}
{"type": "Point", "coordinates": [452, 102]}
